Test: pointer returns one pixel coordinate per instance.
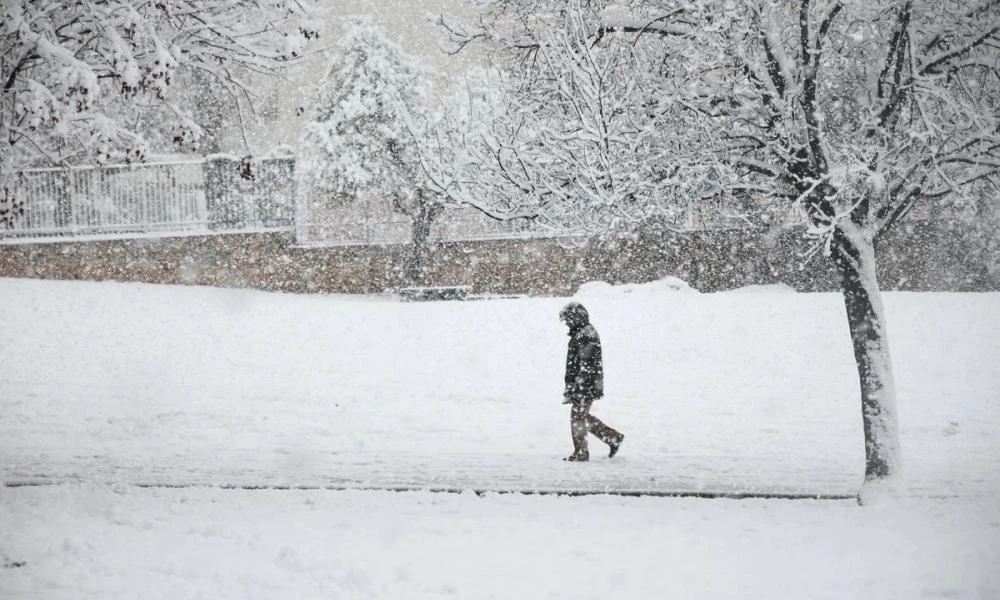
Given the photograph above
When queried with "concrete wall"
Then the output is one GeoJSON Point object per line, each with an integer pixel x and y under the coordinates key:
{"type": "Point", "coordinates": [922, 259]}
{"type": "Point", "coordinates": [271, 261]}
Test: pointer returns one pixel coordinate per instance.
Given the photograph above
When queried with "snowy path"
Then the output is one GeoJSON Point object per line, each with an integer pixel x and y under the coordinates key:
{"type": "Point", "coordinates": [722, 477]}
{"type": "Point", "coordinates": [683, 475]}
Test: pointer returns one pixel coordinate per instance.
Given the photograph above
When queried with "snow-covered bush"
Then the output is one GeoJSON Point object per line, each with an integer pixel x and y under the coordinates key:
{"type": "Point", "coordinates": [369, 116]}
{"type": "Point", "coordinates": [359, 138]}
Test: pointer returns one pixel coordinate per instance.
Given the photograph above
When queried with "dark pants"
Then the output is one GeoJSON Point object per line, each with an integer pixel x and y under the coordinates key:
{"type": "Point", "coordinates": [581, 421]}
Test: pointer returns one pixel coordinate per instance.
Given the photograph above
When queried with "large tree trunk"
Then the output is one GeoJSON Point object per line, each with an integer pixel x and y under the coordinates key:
{"type": "Point", "coordinates": [418, 247]}
{"type": "Point", "coordinates": [853, 252]}
{"type": "Point", "coordinates": [421, 232]}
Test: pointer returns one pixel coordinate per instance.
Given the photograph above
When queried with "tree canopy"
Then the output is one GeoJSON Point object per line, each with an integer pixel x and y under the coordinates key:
{"type": "Point", "coordinates": [359, 138]}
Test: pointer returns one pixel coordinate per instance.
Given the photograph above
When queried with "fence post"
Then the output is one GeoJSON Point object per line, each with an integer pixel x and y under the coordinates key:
{"type": "Point", "coordinates": [63, 198]}
{"type": "Point", "coordinates": [275, 192]}
{"type": "Point", "coordinates": [221, 198]}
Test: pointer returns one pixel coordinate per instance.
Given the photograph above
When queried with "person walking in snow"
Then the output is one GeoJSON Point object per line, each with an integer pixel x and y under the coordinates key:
{"type": "Point", "coordinates": [584, 383]}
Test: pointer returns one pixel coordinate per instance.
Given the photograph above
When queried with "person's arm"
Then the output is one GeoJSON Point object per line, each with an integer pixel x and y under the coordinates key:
{"type": "Point", "coordinates": [572, 372]}
{"type": "Point", "coordinates": [588, 379]}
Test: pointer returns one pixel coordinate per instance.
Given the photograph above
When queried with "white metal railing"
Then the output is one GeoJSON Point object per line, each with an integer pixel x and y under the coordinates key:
{"type": "Point", "coordinates": [198, 196]}
{"type": "Point", "coordinates": [226, 194]}
{"type": "Point", "coordinates": [109, 199]}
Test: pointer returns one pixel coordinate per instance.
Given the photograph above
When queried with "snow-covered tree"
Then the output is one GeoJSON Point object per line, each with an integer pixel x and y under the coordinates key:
{"type": "Point", "coordinates": [369, 116]}
{"type": "Point", "coordinates": [567, 120]}
{"type": "Point", "coordinates": [75, 73]}
{"type": "Point", "coordinates": [851, 112]}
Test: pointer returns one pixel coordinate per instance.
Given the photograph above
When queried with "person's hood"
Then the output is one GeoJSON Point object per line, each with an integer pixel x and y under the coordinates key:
{"type": "Point", "coordinates": [575, 316]}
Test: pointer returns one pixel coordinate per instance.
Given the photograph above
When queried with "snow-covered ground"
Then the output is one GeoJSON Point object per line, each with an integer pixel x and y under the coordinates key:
{"type": "Point", "coordinates": [107, 388]}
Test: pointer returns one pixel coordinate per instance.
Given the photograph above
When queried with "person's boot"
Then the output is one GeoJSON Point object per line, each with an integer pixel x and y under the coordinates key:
{"type": "Point", "coordinates": [577, 457]}
{"type": "Point", "coordinates": [616, 445]}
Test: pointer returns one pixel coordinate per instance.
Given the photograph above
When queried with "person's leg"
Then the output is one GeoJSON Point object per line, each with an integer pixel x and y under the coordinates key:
{"type": "Point", "coordinates": [604, 433]}
{"type": "Point", "coordinates": [578, 414]}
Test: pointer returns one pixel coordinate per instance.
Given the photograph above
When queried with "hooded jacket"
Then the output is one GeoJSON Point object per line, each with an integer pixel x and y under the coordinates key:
{"type": "Point", "coordinates": [584, 364]}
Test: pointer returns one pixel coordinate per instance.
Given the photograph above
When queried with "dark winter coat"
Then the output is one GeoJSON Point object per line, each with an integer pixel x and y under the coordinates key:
{"type": "Point", "coordinates": [584, 364]}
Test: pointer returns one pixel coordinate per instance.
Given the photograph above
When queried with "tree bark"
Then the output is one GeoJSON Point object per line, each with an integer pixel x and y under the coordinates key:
{"type": "Point", "coordinates": [422, 221]}
{"type": "Point", "coordinates": [853, 252]}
